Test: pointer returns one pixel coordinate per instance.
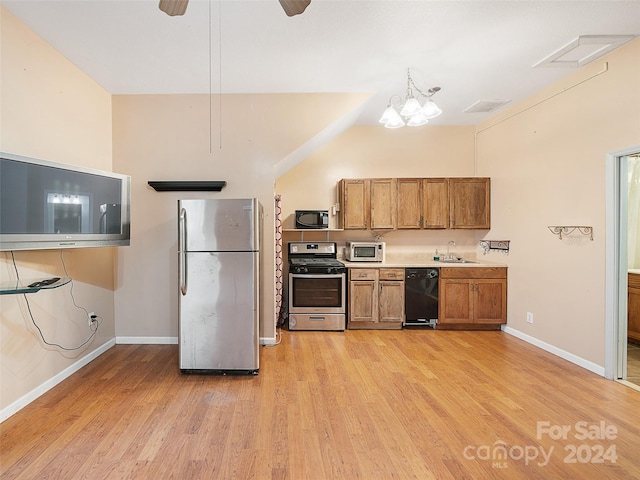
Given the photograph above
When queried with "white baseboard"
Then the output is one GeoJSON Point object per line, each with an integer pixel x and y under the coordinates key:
{"type": "Point", "coordinates": [147, 340]}
{"type": "Point", "coordinates": [171, 340]}
{"type": "Point", "coordinates": [581, 362]}
{"type": "Point", "coordinates": [53, 381]}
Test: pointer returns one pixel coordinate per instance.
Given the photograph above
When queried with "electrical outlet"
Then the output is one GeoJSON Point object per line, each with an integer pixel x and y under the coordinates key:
{"type": "Point", "coordinates": [92, 318]}
{"type": "Point", "coordinates": [529, 317]}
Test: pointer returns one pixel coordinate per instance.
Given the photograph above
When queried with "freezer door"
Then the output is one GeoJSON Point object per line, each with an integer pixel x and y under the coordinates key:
{"type": "Point", "coordinates": [219, 225]}
{"type": "Point", "coordinates": [219, 308]}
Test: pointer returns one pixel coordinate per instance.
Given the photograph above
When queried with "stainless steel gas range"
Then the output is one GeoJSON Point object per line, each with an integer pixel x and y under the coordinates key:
{"type": "Point", "coordinates": [317, 283]}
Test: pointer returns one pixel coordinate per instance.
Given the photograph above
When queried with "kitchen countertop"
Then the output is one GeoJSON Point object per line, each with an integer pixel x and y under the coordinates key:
{"type": "Point", "coordinates": [635, 271]}
{"type": "Point", "coordinates": [419, 260]}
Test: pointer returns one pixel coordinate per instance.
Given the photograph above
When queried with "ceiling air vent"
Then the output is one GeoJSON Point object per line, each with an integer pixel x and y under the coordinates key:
{"type": "Point", "coordinates": [485, 106]}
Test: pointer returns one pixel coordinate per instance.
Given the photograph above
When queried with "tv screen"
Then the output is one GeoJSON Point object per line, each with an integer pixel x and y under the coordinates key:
{"type": "Point", "coordinates": [52, 205]}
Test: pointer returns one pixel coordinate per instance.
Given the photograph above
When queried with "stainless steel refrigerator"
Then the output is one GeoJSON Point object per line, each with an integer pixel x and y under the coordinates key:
{"type": "Point", "coordinates": [219, 258]}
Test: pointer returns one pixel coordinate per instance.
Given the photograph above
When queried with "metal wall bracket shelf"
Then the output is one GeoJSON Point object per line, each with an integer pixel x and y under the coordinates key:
{"type": "Point", "coordinates": [561, 230]}
{"type": "Point", "coordinates": [500, 245]}
{"type": "Point", "coordinates": [187, 185]}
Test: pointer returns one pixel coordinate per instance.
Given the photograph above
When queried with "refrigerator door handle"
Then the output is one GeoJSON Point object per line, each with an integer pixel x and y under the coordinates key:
{"type": "Point", "coordinates": [182, 255]}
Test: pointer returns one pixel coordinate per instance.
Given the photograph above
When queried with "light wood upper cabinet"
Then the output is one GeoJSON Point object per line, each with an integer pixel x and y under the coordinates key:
{"type": "Point", "coordinates": [415, 203]}
{"type": "Point", "coordinates": [409, 203]}
{"type": "Point", "coordinates": [423, 203]}
{"type": "Point", "coordinates": [435, 203]}
{"type": "Point", "coordinates": [470, 203]}
{"type": "Point", "coordinates": [368, 204]}
{"type": "Point", "coordinates": [383, 203]}
{"type": "Point", "coordinates": [355, 204]}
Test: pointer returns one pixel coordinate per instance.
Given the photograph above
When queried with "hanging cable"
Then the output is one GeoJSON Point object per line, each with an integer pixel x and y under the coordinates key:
{"type": "Point", "coordinates": [93, 328]}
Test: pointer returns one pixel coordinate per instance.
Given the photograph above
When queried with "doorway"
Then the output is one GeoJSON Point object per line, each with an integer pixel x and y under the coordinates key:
{"type": "Point", "coordinates": [622, 361]}
{"type": "Point", "coordinates": [632, 163]}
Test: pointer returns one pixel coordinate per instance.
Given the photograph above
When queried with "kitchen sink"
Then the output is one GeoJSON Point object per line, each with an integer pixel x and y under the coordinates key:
{"type": "Point", "coordinates": [457, 260]}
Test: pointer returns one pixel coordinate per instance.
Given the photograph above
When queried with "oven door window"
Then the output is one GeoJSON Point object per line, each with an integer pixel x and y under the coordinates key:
{"type": "Point", "coordinates": [317, 291]}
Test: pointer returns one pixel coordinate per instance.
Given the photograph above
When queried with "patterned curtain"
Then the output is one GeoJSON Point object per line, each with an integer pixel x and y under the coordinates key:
{"type": "Point", "coordinates": [278, 219]}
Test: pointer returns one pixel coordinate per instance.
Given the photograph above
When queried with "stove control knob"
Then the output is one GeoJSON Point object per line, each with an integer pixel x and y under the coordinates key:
{"type": "Point", "coordinates": [329, 270]}
{"type": "Point", "coordinates": [304, 270]}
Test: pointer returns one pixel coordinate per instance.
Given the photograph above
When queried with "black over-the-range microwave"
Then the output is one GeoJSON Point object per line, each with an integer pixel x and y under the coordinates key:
{"type": "Point", "coordinates": [312, 219]}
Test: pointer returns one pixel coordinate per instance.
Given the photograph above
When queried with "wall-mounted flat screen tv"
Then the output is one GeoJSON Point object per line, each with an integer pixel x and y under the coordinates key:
{"type": "Point", "coordinates": [53, 205]}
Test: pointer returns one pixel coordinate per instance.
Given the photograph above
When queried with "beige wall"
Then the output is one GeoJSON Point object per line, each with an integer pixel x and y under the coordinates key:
{"type": "Point", "coordinates": [166, 137]}
{"type": "Point", "coordinates": [53, 111]}
{"type": "Point", "coordinates": [546, 158]}
{"type": "Point", "coordinates": [372, 151]}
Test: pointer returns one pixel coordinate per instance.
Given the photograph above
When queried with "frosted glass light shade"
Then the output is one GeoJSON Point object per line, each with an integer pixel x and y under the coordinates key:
{"type": "Point", "coordinates": [391, 118]}
{"type": "Point", "coordinates": [388, 114]}
{"type": "Point", "coordinates": [418, 120]}
{"type": "Point", "coordinates": [396, 122]}
{"type": "Point", "coordinates": [411, 107]}
{"type": "Point", "coordinates": [430, 109]}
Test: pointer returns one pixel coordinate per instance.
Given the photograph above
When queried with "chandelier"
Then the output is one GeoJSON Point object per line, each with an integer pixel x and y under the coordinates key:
{"type": "Point", "coordinates": [412, 112]}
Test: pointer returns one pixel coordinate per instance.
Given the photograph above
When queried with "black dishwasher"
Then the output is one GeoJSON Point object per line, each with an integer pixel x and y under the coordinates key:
{"type": "Point", "coordinates": [421, 297]}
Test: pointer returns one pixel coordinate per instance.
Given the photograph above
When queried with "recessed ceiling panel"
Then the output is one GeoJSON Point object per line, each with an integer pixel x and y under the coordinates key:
{"type": "Point", "coordinates": [583, 50]}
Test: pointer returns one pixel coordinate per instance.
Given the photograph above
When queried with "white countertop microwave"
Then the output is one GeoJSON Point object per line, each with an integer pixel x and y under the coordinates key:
{"type": "Point", "coordinates": [365, 251]}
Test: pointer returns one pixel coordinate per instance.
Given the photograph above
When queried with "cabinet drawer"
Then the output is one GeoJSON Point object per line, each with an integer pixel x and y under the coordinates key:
{"type": "Point", "coordinates": [363, 274]}
{"type": "Point", "coordinates": [392, 274]}
{"type": "Point", "coordinates": [473, 272]}
{"type": "Point", "coordinates": [633, 280]}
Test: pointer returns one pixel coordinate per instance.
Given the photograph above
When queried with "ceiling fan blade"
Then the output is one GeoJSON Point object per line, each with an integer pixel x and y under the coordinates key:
{"type": "Point", "coordinates": [294, 7]}
{"type": "Point", "coordinates": [174, 7]}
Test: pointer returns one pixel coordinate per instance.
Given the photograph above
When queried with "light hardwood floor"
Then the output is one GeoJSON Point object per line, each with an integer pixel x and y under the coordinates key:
{"type": "Point", "coordinates": [410, 404]}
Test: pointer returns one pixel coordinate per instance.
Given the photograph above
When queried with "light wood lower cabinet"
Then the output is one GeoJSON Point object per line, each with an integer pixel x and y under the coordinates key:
{"type": "Point", "coordinates": [633, 308]}
{"type": "Point", "coordinates": [376, 298]}
{"type": "Point", "coordinates": [472, 298]}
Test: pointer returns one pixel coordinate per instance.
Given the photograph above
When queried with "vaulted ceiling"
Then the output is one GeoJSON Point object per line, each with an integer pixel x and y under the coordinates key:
{"type": "Point", "coordinates": [473, 50]}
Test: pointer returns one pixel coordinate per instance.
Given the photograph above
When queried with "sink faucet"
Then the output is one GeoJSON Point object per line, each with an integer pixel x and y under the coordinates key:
{"type": "Point", "coordinates": [450, 244]}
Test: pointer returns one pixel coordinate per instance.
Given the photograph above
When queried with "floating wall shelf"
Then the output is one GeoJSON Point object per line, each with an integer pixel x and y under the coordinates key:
{"type": "Point", "coordinates": [187, 185]}
{"type": "Point", "coordinates": [29, 286]}
{"type": "Point", "coordinates": [561, 230]}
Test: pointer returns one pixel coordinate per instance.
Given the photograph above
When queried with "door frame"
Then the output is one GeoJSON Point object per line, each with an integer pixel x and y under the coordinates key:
{"type": "Point", "coordinates": [615, 258]}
